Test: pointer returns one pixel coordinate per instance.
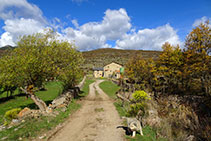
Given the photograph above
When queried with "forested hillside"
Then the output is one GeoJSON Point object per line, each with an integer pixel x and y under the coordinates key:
{"type": "Point", "coordinates": [4, 49]}
{"type": "Point", "coordinates": [101, 57]}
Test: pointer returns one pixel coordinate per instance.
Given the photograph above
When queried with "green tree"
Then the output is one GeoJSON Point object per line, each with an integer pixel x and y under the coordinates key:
{"type": "Point", "coordinates": [38, 58]}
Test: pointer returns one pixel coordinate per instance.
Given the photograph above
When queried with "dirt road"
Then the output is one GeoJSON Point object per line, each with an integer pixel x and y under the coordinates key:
{"type": "Point", "coordinates": [95, 121]}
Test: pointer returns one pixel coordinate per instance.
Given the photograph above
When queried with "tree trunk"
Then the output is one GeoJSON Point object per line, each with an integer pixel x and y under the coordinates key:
{"type": "Point", "coordinates": [208, 85]}
{"type": "Point", "coordinates": [39, 102]}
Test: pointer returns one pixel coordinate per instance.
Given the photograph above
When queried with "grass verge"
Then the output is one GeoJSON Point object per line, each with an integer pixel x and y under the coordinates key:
{"type": "Point", "coordinates": [119, 107]}
{"type": "Point", "coordinates": [85, 89]}
{"type": "Point", "coordinates": [110, 89]}
{"type": "Point", "coordinates": [149, 135]}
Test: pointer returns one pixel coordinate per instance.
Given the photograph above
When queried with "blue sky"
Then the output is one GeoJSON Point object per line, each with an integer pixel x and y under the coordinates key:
{"type": "Point", "coordinates": [92, 24]}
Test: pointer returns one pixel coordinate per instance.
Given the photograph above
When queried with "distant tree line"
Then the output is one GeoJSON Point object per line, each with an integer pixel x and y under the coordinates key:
{"type": "Point", "coordinates": [177, 71]}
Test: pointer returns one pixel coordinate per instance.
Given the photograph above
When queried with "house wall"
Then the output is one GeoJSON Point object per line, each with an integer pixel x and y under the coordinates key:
{"type": "Point", "coordinates": [98, 73]}
{"type": "Point", "coordinates": [111, 69]}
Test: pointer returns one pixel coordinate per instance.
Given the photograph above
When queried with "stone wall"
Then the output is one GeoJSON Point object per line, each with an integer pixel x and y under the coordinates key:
{"type": "Point", "coordinates": [62, 101]}
{"type": "Point", "coordinates": [81, 84]}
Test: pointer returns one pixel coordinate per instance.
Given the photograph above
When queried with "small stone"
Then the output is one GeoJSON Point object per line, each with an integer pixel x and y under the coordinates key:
{"type": "Point", "coordinates": [24, 112]}
{"type": "Point", "coordinates": [62, 106]}
{"type": "Point", "coordinates": [63, 109]}
{"type": "Point", "coordinates": [56, 113]}
{"type": "Point", "coordinates": [42, 137]}
{"type": "Point", "coordinates": [58, 101]}
{"type": "Point", "coordinates": [15, 121]}
{"type": "Point", "coordinates": [2, 127]}
{"type": "Point", "coordinates": [4, 138]}
{"type": "Point", "coordinates": [49, 110]}
{"type": "Point", "coordinates": [9, 127]}
{"type": "Point", "coordinates": [190, 138]}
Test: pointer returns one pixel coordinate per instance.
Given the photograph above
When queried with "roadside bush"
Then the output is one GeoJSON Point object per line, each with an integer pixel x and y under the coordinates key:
{"type": "Point", "coordinates": [139, 103]}
{"type": "Point", "coordinates": [139, 96]}
{"type": "Point", "coordinates": [11, 114]}
{"type": "Point", "coordinates": [135, 108]}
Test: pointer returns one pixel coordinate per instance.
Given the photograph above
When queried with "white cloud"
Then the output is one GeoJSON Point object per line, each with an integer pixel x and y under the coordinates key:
{"type": "Point", "coordinates": [114, 25]}
{"type": "Point", "coordinates": [20, 18]}
{"type": "Point", "coordinates": [149, 39]}
{"type": "Point", "coordinates": [82, 41]}
{"type": "Point", "coordinates": [92, 35]}
{"type": "Point", "coordinates": [56, 24]}
{"type": "Point", "coordinates": [22, 26]}
{"type": "Point", "coordinates": [18, 27]}
{"type": "Point", "coordinates": [12, 9]}
{"type": "Point", "coordinates": [75, 23]}
{"type": "Point", "coordinates": [23, 18]}
{"type": "Point", "coordinates": [6, 39]}
{"type": "Point", "coordinates": [202, 20]}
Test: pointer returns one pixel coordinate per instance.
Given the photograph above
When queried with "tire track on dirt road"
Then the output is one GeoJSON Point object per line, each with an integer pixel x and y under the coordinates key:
{"type": "Point", "coordinates": [95, 121]}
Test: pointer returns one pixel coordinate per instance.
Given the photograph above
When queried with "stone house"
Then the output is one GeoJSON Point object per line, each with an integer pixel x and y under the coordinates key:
{"type": "Point", "coordinates": [112, 70]}
{"type": "Point", "coordinates": [98, 72]}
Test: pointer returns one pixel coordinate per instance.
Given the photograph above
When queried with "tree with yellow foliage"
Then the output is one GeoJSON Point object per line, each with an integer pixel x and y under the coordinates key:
{"type": "Point", "coordinates": [169, 66]}
{"type": "Point", "coordinates": [139, 71]}
{"type": "Point", "coordinates": [197, 57]}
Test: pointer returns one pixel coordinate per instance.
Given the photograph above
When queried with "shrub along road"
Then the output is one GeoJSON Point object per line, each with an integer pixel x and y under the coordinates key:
{"type": "Point", "coordinates": [96, 120]}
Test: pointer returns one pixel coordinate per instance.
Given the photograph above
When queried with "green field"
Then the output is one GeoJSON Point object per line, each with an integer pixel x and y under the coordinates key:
{"type": "Point", "coordinates": [20, 101]}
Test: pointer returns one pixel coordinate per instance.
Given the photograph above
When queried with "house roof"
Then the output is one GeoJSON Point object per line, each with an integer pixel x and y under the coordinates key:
{"type": "Point", "coordinates": [98, 69]}
{"type": "Point", "coordinates": [114, 63]}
